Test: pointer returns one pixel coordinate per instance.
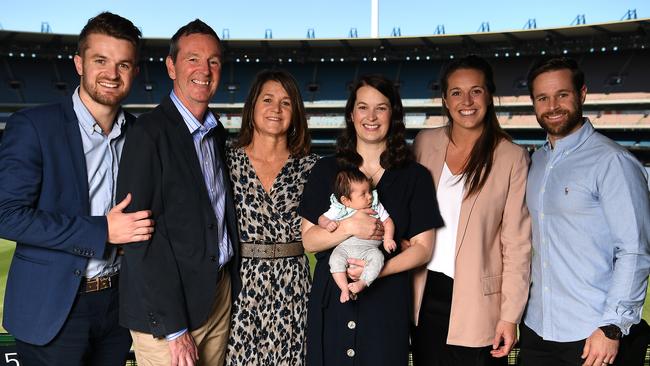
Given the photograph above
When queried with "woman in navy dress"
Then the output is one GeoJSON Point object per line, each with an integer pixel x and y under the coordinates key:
{"type": "Point", "coordinates": [373, 329]}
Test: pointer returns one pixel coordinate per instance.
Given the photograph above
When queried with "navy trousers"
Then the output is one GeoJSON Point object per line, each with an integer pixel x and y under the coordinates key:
{"type": "Point", "coordinates": [91, 336]}
{"type": "Point", "coordinates": [535, 351]}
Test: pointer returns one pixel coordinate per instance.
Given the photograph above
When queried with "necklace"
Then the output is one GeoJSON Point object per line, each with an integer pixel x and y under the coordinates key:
{"type": "Point", "coordinates": [371, 176]}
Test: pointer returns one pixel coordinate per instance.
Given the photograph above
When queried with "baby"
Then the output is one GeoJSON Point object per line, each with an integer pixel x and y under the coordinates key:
{"type": "Point", "coordinates": [352, 192]}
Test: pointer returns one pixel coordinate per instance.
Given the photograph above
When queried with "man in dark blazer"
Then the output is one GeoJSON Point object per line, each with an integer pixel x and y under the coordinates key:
{"type": "Point", "coordinates": [177, 287]}
{"type": "Point", "coordinates": [58, 165]}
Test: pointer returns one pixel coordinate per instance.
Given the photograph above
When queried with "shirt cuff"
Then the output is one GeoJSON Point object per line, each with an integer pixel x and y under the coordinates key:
{"type": "Point", "coordinates": [171, 337]}
{"type": "Point", "coordinates": [624, 318]}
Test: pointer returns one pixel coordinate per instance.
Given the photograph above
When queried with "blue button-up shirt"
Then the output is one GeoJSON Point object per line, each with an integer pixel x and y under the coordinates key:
{"type": "Point", "coordinates": [102, 153]}
{"type": "Point", "coordinates": [588, 200]}
{"type": "Point", "coordinates": [211, 166]}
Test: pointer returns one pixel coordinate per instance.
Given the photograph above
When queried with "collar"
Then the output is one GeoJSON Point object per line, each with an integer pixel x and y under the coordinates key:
{"type": "Point", "coordinates": [86, 119]}
{"type": "Point", "coordinates": [193, 124]}
{"type": "Point", "coordinates": [574, 140]}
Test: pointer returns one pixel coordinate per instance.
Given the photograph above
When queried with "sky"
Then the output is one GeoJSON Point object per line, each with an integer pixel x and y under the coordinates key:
{"type": "Point", "coordinates": [249, 19]}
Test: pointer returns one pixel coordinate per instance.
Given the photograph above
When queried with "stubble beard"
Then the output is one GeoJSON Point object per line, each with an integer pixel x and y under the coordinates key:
{"type": "Point", "coordinates": [574, 118]}
{"type": "Point", "coordinates": [109, 100]}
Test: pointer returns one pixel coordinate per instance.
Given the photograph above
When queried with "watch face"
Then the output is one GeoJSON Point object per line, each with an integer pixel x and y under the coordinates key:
{"type": "Point", "coordinates": [612, 331]}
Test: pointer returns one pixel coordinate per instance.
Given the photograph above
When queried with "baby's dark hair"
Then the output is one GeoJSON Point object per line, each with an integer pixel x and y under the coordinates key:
{"type": "Point", "coordinates": [343, 181]}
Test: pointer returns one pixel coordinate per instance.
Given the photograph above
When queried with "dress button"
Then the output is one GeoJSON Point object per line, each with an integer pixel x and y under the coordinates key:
{"type": "Point", "coordinates": [350, 352]}
{"type": "Point", "coordinates": [77, 272]}
{"type": "Point", "coordinates": [352, 324]}
{"type": "Point", "coordinates": [213, 258]}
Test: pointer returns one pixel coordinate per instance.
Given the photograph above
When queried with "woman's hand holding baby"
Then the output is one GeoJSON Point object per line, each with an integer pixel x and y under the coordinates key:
{"type": "Point", "coordinates": [363, 226]}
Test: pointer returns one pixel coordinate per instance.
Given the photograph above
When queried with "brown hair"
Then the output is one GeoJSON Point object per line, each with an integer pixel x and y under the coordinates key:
{"type": "Point", "coordinates": [194, 27]}
{"type": "Point", "coordinates": [479, 164]}
{"type": "Point", "coordinates": [111, 25]}
{"type": "Point", "coordinates": [343, 181]}
{"type": "Point", "coordinates": [298, 139]}
{"type": "Point", "coordinates": [554, 64]}
{"type": "Point", "coordinates": [397, 152]}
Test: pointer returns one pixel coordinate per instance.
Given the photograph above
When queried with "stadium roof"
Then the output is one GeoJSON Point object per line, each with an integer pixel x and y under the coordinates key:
{"type": "Point", "coordinates": [624, 35]}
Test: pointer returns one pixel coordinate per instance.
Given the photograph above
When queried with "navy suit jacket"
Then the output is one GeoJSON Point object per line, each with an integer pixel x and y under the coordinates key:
{"type": "Point", "coordinates": [44, 207]}
{"type": "Point", "coordinates": [168, 282]}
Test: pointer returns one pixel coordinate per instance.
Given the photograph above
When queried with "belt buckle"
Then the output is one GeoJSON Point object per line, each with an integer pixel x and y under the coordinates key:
{"type": "Point", "coordinates": [92, 285]}
{"type": "Point", "coordinates": [104, 283]}
{"type": "Point", "coordinates": [88, 285]}
{"type": "Point", "coordinates": [98, 284]}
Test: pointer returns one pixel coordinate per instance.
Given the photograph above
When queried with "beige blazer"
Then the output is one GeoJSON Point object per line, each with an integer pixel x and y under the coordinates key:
{"type": "Point", "coordinates": [493, 244]}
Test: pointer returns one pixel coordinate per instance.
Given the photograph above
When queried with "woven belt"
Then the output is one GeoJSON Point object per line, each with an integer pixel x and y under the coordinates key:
{"type": "Point", "coordinates": [98, 283]}
{"type": "Point", "coordinates": [268, 250]}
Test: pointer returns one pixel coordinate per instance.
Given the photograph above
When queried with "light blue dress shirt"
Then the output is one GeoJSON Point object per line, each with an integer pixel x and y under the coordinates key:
{"type": "Point", "coordinates": [211, 167]}
{"type": "Point", "coordinates": [588, 200]}
{"type": "Point", "coordinates": [102, 153]}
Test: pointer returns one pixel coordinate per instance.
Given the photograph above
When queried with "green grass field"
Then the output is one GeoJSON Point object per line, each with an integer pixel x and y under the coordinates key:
{"type": "Point", "coordinates": [7, 251]}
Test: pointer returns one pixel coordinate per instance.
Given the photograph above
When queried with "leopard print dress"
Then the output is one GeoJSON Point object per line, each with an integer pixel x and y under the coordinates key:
{"type": "Point", "coordinates": [270, 314]}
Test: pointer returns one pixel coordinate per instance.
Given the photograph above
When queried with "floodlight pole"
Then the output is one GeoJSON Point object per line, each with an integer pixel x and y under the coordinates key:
{"type": "Point", "coordinates": [374, 18]}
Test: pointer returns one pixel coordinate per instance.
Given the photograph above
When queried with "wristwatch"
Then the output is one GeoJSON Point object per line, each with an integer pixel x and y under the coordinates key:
{"type": "Point", "coordinates": [612, 332]}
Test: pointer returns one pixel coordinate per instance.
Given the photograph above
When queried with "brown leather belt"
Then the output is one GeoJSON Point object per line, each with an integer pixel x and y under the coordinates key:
{"type": "Point", "coordinates": [271, 250]}
{"type": "Point", "coordinates": [98, 283]}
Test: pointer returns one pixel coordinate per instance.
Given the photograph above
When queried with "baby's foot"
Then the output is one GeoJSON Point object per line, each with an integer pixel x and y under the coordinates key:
{"type": "Point", "coordinates": [345, 296]}
{"type": "Point", "coordinates": [356, 287]}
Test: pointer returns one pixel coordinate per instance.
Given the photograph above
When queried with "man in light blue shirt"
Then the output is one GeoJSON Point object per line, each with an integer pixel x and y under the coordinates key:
{"type": "Point", "coordinates": [588, 200]}
{"type": "Point", "coordinates": [58, 167]}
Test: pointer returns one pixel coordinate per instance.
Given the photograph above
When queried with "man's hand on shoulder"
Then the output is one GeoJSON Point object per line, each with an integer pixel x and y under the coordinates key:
{"type": "Point", "coordinates": [599, 349]}
{"type": "Point", "coordinates": [128, 227]}
{"type": "Point", "coordinates": [183, 350]}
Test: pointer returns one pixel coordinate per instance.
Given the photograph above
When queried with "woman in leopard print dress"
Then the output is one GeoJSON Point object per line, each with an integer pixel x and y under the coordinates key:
{"type": "Point", "coordinates": [268, 167]}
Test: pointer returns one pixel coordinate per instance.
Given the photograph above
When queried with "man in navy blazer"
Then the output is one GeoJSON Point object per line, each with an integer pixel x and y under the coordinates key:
{"type": "Point", "coordinates": [177, 288]}
{"type": "Point", "coordinates": [58, 167]}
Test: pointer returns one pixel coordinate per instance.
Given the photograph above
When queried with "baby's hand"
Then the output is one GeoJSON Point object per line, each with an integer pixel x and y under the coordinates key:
{"type": "Point", "coordinates": [332, 226]}
{"type": "Point", "coordinates": [390, 245]}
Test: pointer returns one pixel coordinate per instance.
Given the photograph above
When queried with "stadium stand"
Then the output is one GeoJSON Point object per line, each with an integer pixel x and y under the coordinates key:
{"type": "Point", "coordinates": [37, 68]}
{"type": "Point", "coordinates": [10, 88]}
{"type": "Point", "coordinates": [31, 80]}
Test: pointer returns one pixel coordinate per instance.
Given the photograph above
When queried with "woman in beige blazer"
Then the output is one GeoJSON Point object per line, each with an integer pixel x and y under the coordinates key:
{"type": "Point", "coordinates": [470, 297]}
